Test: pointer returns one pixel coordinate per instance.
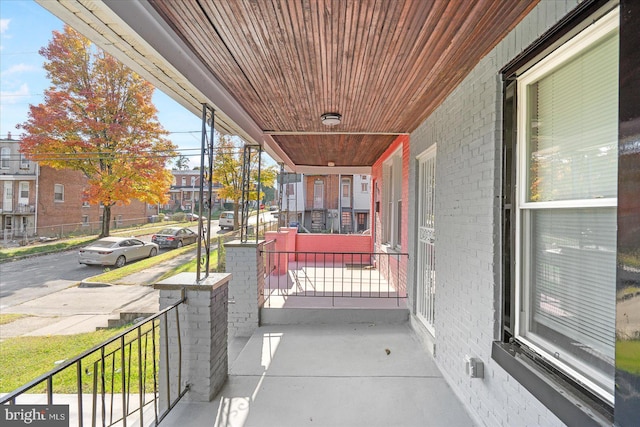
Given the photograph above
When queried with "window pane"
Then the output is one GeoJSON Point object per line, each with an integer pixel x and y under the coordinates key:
{"type": "Point", "coordinates": [573, 125]}
{"type": "Point", "coordinates": [572, 292]}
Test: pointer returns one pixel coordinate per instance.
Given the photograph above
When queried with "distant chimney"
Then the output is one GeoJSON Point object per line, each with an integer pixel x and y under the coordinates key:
{"type": "Point", "coordinates": [8, 135]}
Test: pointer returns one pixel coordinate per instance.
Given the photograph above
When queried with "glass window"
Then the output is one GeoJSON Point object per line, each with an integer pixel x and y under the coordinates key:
{"type": "Point", "coordinates": [58, 192]}
{"type": "Point", "coordinates": [392, 200]}
{"type": "Point", "coordinates": [5, 155]}
{"type": "Point", "coordinates": [24, 190]}
{"type": "Point", "coordinates": [24, 162]}
{"type": "Point", "coordinates": [566, 215]}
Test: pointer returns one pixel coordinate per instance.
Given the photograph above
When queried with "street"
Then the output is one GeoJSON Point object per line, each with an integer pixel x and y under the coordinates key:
{"type": "Point", "coordinates": [44, 289]}
{"type": "Point", "coordinates": [31, 278]}
{"type": "Point", "coordinates": [25, 280]}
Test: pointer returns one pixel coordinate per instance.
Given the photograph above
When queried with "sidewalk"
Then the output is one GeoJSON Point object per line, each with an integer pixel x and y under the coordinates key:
{"type": "Point", "coordinates": [78, 309]}
{"type": "Point", "coordinates": [90, 305]}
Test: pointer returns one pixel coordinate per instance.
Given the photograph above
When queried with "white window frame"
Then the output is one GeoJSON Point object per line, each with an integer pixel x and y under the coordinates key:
{"type": "Point", "coordinates": [524, 208]}
{"type": "Point", "coordinates": [58, 189]}
{"type": "Point", "coordinates": [5, 157]}
{"type": "Point", "coordinates": [23, 186]}
{"type": "Point", "coordinates": [392, 200]}
{"type": "Point", "coordinates": [24, 162]}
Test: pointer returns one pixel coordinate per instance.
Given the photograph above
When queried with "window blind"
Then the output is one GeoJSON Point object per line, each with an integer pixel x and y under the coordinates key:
{"type": "Point", "coordinates": [574, 127]}
{"type": "Point", "coordinates": [570, 247]}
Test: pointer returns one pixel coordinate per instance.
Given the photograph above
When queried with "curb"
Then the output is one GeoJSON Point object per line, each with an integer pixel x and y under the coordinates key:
{"type": "Point", "coordinates": [84, 284]}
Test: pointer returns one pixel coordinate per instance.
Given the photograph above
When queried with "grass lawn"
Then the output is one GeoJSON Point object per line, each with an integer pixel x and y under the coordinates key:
{"type": "Point", "coordinates": [71, 243]}
{"type": "Point", "coordinates": [58, 246]}
{"type": "Point", "coordinates": [628, 356]}
{"type": "Point", "coordinates": [23, 359]}
{"type": "Point", "coordinates": [192, 266]}
{"type": "Point", "coordinates": [8, 318]}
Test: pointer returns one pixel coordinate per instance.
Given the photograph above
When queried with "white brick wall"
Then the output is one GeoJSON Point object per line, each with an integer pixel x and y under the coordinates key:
{"type": "Point", "coordinates": [203, 338]}
{"type": "Point", "coordinates": [246, 287]}
{"type": "Point", "coordinates": [467, 131]}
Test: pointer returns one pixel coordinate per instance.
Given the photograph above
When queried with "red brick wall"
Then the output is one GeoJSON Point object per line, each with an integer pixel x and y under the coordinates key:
{"type": "Point", "coordinates": [61, 218]}
{"type": "Point", "coordinates": [331, 190]}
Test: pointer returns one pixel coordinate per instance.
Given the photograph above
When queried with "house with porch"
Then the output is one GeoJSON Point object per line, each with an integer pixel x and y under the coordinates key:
{"type": "Point", "coordinates": [327, 203]}
{"type": "Point", "coordinates": [184, 193]}
{"type": "Point", "coordinates": [502, 143]}
{"type": "Point", "coordinates": [40, 201]}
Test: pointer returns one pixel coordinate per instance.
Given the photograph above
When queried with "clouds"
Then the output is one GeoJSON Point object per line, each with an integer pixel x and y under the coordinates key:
{"type": "Point", "coordinates": [4, 25]}
{"type": "Point", "coordinates": [16, 69]}
{"type": "Point", "coordinates": [16, 95]}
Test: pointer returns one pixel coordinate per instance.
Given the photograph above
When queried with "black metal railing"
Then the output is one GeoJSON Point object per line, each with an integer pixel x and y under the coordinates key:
{"type": "Point", "coordinates": [333, 275]}
{"type": "Point", "coordinates": [116, 382]}
{"type": "Point", "coordinates": [262, 228]}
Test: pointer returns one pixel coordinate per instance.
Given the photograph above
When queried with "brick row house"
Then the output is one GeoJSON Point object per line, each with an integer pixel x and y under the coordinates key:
{"type": "Point", "coordinates": [332, 203]}
{"type": "Point", "coordinates": [18, 183]}
{"type": "Point", "coordinates": [46, 202]}
{"type": "Point", "coordinates": [502, 143]}
{"type": "Point", "coordinates": [185, 192]}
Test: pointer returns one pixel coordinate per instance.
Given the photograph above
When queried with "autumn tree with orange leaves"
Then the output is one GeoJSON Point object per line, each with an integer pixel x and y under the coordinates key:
{"type": "Point", "coordinates": [98, 118]}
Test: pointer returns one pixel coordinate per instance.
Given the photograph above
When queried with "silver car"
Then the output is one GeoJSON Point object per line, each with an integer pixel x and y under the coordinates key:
{"type": "Point", "coordinates": [116, 251]}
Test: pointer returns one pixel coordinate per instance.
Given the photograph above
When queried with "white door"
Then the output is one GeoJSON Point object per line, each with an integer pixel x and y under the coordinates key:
{"type": "Point", "coordinates": [23, 197]}
{"type": "Point", "coordinates": [7, 198]}
{"type": "Point", "coordinates": [345, 193]}
{"type": "Point", "coordinates": [318, 194]}
{"type": "Point", "coordinates": [426, 271]}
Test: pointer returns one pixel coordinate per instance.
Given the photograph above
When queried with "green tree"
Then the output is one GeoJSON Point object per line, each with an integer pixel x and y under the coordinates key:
{"type": "Point", "coordinates": [227, 170]}
{"type": "Point", "coordinates": [98, 118]}
{"type": "Point", "coordinates": [182, 163]}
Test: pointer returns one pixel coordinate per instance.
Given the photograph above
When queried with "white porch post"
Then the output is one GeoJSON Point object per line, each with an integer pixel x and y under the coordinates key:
{"type": "Point", "coordinates": [246, 288]}
{"type": "Point", "coordinates": [203, 336]}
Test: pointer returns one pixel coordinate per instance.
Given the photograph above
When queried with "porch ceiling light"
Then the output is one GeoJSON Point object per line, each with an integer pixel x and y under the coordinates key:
{"type": "Point", "coordinates": [331, 164]}
{"type": "Point", "coordinates": [331, 119]}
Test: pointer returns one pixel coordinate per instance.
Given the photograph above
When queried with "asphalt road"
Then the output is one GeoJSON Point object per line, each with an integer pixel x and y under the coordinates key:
{"type": "Point", "coordinates": [28, 279]}
{"type": "Point", "coordinates": [35, 277]}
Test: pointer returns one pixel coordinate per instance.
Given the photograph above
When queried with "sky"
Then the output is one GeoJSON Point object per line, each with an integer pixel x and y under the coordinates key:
{"type": "Point", "coordinates": [26, 27]}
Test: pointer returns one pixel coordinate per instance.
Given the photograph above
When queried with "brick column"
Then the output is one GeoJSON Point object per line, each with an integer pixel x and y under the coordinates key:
{"type": "Point", "coordinates": [246, 288]}
{"type": "Point", "coordinates": [202, 322]}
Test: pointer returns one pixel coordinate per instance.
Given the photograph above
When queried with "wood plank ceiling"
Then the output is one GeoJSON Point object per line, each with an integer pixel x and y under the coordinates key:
{"type": "Point", "coordinates": [384, 65]}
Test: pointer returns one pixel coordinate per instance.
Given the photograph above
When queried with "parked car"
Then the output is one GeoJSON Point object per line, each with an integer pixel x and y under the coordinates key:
{"type": "Point", "coordinates": [116, 251]}
{"type": "Point", "coordinates": [174, 237]}
{"type": "Point", "coordinates": [226, 220]}
{"type": "Point", "coordinates": [192, 217]}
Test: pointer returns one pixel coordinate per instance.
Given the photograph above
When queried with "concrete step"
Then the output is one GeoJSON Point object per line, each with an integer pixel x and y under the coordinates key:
{"type": "Point", "coordinates": [124, 319]}
{"type": "Point", "coordinates": [332, 316]}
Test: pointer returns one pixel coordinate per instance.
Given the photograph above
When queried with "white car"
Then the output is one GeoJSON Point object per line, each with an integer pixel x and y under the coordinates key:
{"type": "Point", "coordinates": [116, 251]}
{"type": "Point", "coordinates": [226, 220]}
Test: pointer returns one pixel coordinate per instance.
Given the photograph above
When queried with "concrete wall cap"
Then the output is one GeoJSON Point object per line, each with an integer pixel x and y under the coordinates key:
{"type": "Point", "coordinates": [188, 281]}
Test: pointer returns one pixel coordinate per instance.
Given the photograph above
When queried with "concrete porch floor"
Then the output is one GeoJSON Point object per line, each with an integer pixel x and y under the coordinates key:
{"type": "Point", "coordinates": [328, 375]}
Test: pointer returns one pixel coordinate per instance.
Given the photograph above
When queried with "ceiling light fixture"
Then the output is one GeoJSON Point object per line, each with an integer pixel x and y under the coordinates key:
{"type": "Point", "coordinates": [331, 164]}
{"type": "Point", "coordinates": [331, 119]}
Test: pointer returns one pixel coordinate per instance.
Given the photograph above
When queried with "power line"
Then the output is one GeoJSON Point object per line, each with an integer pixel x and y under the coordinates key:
{"type": "Point", "coordinates": [87, 156]}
